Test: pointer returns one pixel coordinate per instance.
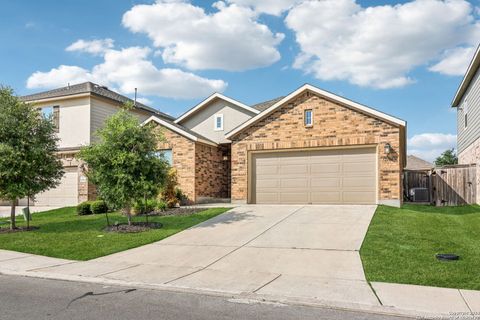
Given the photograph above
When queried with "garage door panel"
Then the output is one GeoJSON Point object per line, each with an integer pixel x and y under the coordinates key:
{"type": "Point", "coordinates": [293, 169]}
{"type": "Point", "coordinates": [356, 182]}
{"type": "Point", "coordinates": [326, 182]}
{"type": "Point", "coordinates": [325, 168]}
{"type": "Point", "coordinates": [326, 197]}
{"type": "Point", "coordinates": [294, 183]}
{"type": "Point", "coordinates": [333, 176]}
{"type": "Point", "coordinates": [361, 197]}
{"type": "Point", "coordinates": [293, 197]}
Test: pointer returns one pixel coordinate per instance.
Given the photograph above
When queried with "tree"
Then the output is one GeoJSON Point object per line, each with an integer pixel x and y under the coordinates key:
{"type": "Point", "coordinates": [28, 143]}
{"type": "Point", "coordinates": [123, 164]}
{"type": "Point", "coordinates": [448, 157]}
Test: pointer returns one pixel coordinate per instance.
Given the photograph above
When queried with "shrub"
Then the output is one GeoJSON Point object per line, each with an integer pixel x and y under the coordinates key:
{"type": "Point", "coordinates": [142, 207]}
{"type": "Point", "coordinates": [181, 197]}
{"type": "Point", "coordinates": [84, 208]}
{"type": "Point", "coordinates": [169, 194]}
{"type": "Point", "coordinates": [161, 205]}
{"type": "Point", "coordinates": [98, 207]}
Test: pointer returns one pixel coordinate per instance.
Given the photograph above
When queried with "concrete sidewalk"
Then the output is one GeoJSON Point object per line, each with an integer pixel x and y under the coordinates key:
{"type": "Point", "coordinates": [397, 299]}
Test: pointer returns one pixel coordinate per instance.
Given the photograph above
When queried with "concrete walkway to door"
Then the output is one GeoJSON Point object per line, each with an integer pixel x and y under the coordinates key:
{"type": "Point", "coordinates": [289, 251]}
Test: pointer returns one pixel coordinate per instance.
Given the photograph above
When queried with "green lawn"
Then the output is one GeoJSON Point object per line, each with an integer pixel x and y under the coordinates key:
{"type": "Point", "coordinates": [64, 234]}
{"type": "Point", "coordinates": [401, 244]}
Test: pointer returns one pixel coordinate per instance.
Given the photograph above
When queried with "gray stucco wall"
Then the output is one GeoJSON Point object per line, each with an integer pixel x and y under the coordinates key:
{"type": "Point", "coordinates": [202, 121]}
{"type": "Point", "coordinates": [467, 135]}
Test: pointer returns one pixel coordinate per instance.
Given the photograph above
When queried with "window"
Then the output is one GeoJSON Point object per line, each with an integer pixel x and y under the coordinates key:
{"type": "Point", "coordinates": [465, 113]}
{"type": "Point", "coordinates": [308, 118]}
{"type": "Point", "coordinates": [52, 113]}
{"type": "Point", "coordinates": [218, 122]}
{"type": "Point", "coordinates": [166, 155]}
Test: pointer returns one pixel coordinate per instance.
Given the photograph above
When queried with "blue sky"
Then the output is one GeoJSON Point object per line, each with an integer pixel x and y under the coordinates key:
{"type": "Point", "coordinates": [386, 54]}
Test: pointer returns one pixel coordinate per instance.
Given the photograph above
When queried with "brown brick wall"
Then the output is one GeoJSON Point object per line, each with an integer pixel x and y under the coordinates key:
{"type": "Point", "coordinates": [334, 125]}
{"type": "Point", "coordinates": [211, 171]}
{"type": "Point", "coordinates": [183, 154]}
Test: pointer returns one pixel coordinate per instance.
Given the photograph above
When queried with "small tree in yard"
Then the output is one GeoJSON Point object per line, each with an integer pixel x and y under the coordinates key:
{"type": "Point", "coordinates": [123, 164]}
{"type": "Point", "coordinates": [28, 164]}
{"type": "Point", "coordinates": [448, 157]}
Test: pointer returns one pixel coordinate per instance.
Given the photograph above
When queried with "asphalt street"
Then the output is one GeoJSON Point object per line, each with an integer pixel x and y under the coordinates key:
{"type": "Point", "coordinates": [32, 298]}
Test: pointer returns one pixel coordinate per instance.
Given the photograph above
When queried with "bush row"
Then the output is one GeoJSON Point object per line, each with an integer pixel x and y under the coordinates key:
{"type": "Point", "coordinates": [92, 207]}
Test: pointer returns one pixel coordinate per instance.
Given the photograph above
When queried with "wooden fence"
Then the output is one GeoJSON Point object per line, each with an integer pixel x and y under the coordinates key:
{"type": "Point", "coordinates": [448, 186]}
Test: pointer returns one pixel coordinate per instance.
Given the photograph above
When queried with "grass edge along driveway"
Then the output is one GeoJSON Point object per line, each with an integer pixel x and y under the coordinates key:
{"type": "Point", "coordinates": [401, 244]}
{"type": "Point", "coordinates": [64, 234]}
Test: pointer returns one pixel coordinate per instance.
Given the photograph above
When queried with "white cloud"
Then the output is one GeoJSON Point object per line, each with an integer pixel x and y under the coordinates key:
{"type": "Point", "coordinates": [128, 69]}
{"type": "Point", "coordinates": [378, 46]}
{"type": "Point", "coordinates": [455, 61]}
{"type": "Point", "coordinates": [144, 100]}
{"type": "Point", "coordinates": [273, 7]}
{"type": "Point", "coordinates": [228, 39]}
{"type": "Point", "coordinates": [429, 146]}
{"type": "Point", "coordinates": [95, 47]}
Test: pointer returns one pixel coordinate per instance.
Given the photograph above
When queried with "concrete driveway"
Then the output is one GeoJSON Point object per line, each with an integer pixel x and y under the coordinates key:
{"type": "Point", "coordinates": [288, 251]}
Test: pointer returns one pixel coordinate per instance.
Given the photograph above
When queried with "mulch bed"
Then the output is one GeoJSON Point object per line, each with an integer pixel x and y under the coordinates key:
{"type": "Point", "coordinates": [134, 227]}
{"type": "Point", "coordinates": [177, 211]}
{"type": "Point", "coordinates": [18, 229]}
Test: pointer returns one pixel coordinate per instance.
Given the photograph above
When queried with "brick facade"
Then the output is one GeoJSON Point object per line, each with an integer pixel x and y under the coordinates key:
{"type": "Point", "coordinates": [212, 174]}
{"type": "Point", "coordinates": [471, 155]}
{"type": "Point", "coordinates": [334, 126]}
{"type": "Point", "coordinates": [202, 172]}
{"type": "Point", "coordinates": [183, 155]}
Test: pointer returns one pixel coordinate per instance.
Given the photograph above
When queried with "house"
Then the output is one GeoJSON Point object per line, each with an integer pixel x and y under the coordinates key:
{"type": "Point", "coordinates": [78, 111]}
{"type": "Point", "coordinates": [311, 146]}
{"type": "Point", "coordinates": [415, 163]}
{"type": "Point", "coordinates": [467, 104]}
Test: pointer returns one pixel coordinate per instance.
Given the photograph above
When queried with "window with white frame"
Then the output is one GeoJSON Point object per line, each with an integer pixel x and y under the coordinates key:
{"type": "Point", "coordinates": [218, 122]}
{"type": "Point", "coordinates": [308, 118]}
{"type": "Point", "coordinates": [52, 113]}
{"type": "Point", "coordinates": [465, 113]}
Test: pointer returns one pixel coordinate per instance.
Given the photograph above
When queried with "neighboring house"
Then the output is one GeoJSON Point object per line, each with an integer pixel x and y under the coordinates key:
{"type": "Point", "coordinates": [467, 102]}
{"type": "Point", "coordinates": [78, 111]}
{"type": "Point", "coordinates": [417, 164]}
{"type": "Point", "coordinates": [311, 146]}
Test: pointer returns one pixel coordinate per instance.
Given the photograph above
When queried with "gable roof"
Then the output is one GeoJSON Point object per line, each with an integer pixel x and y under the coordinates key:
{"type": "Point", "coordinates": [415, 163]}
{"type": "Point", "coordinates": [208, 100]}
{"type": "Point", "coordinates": [187, 133]}
{"type": "Point", "coordinates": [467, 78]}
{"type": "Point", "coordinates": [325, 94]}
{"type": "Point", "coordinates": [92, 88]}
{"type": "Point", "coordinates": [262, 106]}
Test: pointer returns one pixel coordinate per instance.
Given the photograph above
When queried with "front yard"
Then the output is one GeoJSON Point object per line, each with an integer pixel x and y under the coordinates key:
{"type": "Point", "coordinates": [401, 244]}
{"type": "Point", "coordinates": [64, 234]}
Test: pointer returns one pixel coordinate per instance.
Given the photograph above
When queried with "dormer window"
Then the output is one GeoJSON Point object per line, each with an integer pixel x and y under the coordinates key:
{"type": "Point", "coordinates": [218, 122]}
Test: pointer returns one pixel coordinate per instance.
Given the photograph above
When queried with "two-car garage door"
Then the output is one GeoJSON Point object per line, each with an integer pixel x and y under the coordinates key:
{"type": "Point", "coordinates": [343, 176]}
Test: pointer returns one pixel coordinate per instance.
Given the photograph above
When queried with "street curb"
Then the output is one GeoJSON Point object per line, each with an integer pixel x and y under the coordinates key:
{"type": "Point", "coordinates": [252, 297]}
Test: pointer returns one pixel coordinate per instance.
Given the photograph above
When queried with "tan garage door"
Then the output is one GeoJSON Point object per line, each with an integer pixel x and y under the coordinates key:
{"type": "Point", "coordinates": [343, 176]}
{"type": "Point", "coordinates": [66, 194]}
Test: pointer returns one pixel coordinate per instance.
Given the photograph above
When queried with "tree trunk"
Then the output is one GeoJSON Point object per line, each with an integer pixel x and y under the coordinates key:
{"type": "Point", "coordinates": [12, 216]}
{"type": "Point", "coordinates": [128, 212]}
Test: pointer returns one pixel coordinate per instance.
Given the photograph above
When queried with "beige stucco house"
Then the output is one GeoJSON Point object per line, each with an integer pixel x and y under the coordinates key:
{"type": "Point", "coordinates": [78, 111]}
{"type": "Point", "coordinates": [310, 146]}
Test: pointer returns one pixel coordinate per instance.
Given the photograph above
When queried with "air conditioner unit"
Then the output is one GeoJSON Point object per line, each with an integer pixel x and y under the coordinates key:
{"type": "Point", "coordinates": [419, 194]}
